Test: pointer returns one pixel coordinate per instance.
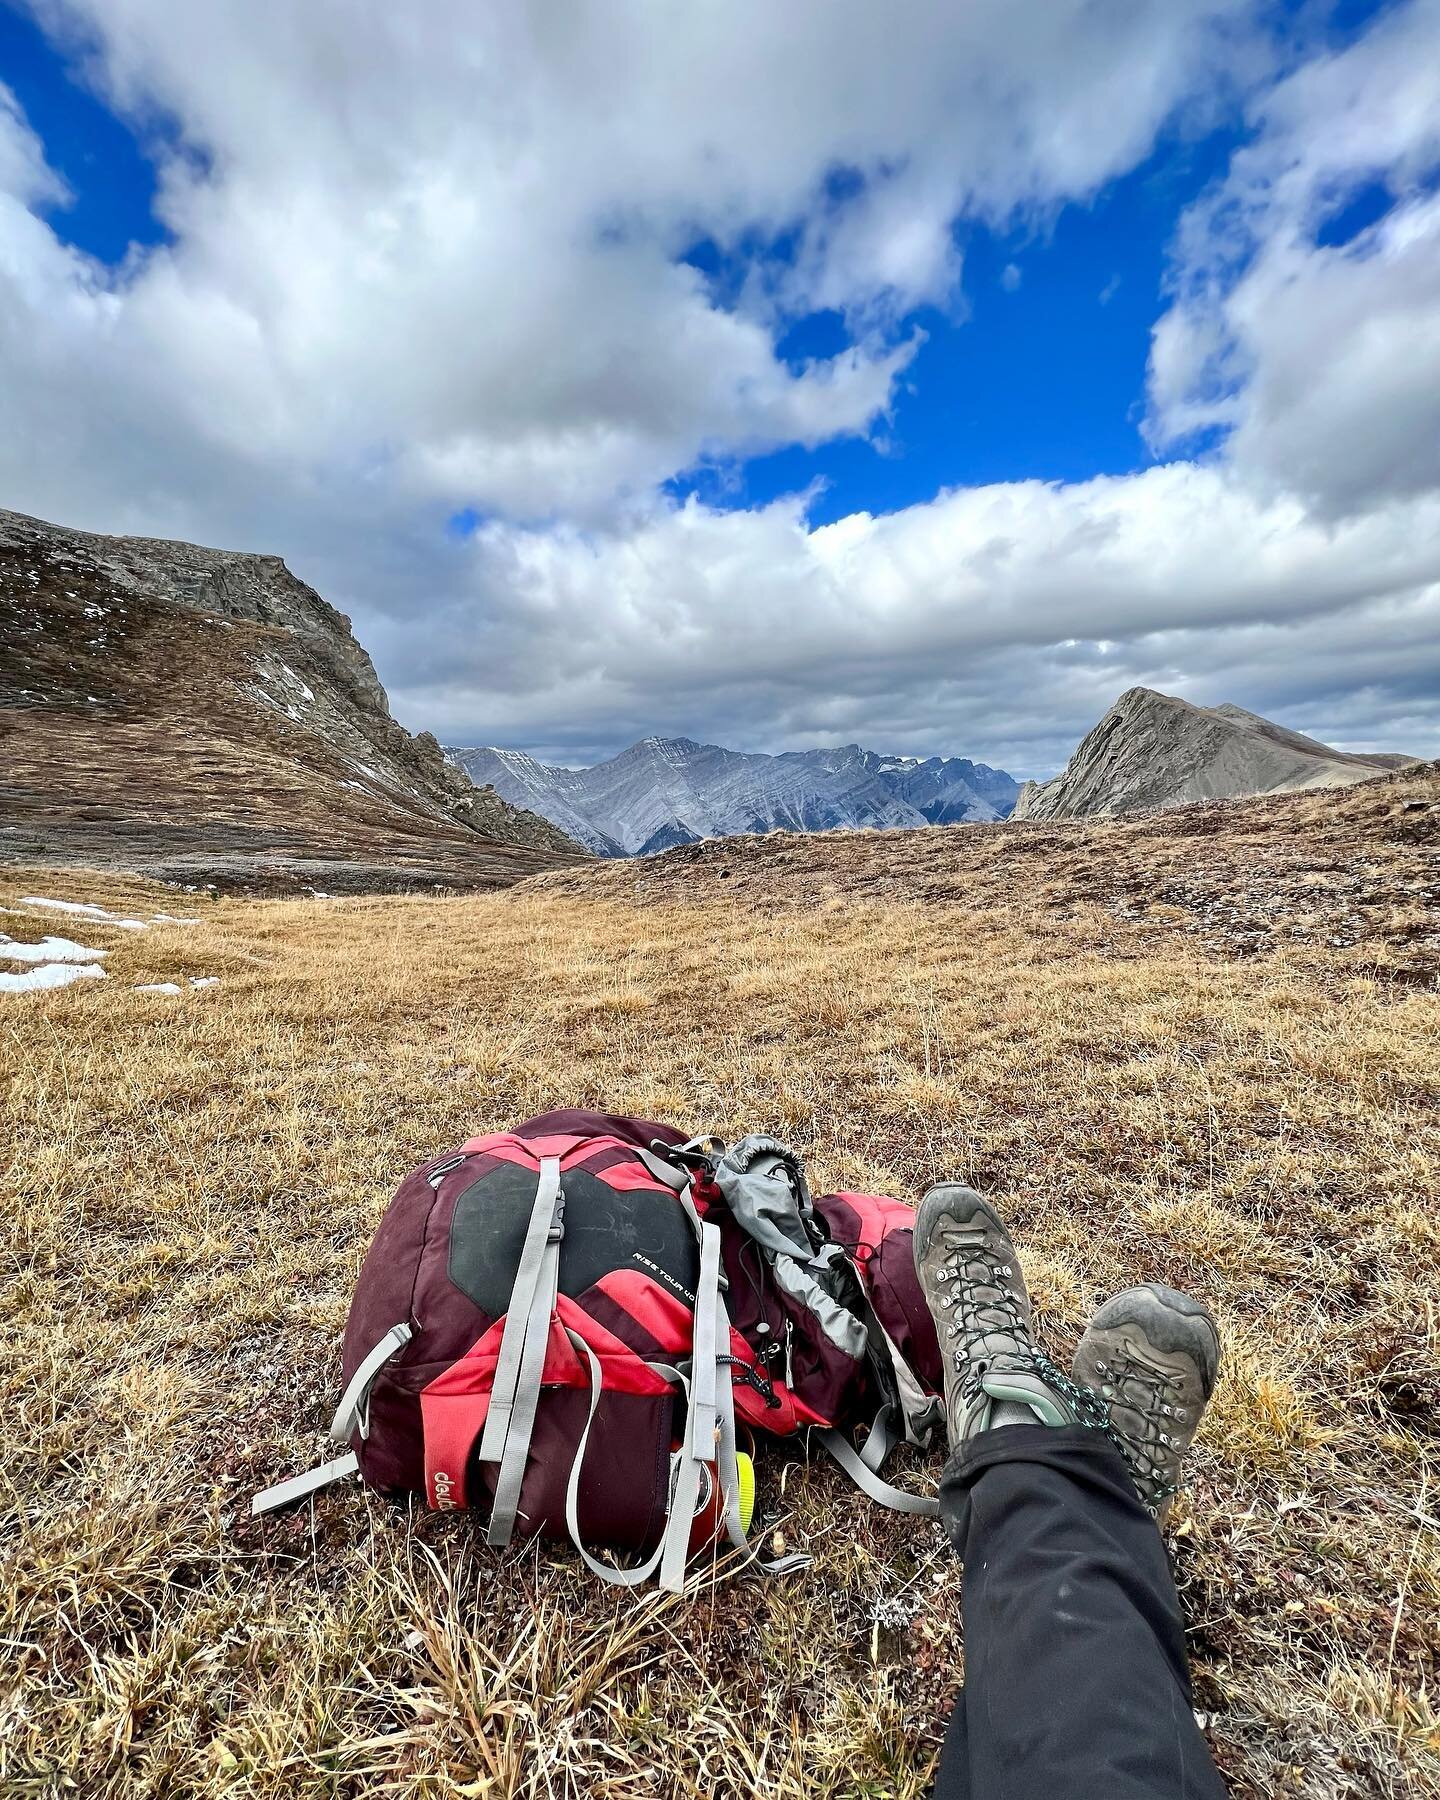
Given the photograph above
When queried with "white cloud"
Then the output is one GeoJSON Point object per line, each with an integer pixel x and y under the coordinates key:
{"type": "Point", "coordinates": [1321, 359]}
{"type": "Point", "coordinates": [992, 620]}
{"type": "Point", "coordinates": [438, 245]}
{"type": "Point", "coordinates": [430, 260]}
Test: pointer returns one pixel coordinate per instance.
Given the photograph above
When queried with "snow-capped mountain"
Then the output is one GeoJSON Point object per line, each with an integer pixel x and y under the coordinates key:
{"type": "Point", "coordinates": [665, 791]}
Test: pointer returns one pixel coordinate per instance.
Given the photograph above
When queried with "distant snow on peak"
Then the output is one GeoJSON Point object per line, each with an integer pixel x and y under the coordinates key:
{"type": "Point", "coordinates": [664, 791]}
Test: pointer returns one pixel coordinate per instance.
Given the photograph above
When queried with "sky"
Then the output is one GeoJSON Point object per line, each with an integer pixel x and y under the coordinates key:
{"type": "Point", "coordinates": [918, 376]}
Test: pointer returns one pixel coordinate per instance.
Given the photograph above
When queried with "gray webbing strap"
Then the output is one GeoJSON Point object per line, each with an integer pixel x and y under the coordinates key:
{"type": "Point", "coordinates": [300, 1485]}
{"type": "Point", "coordinates": [515, 1393]}
{"type": "Point", "coordinates": [642, 1572]}
{"type": "Point", "coordinates": [881, 1440]}
{"type": "Point", "coordinates": [870, 1483]}
{"type": "Point", "coordinates": [673, 1177]}
{"type": "Point", "coordinates": [354, 1409]}
{"type": "Point", "coordinates": [702, 1422]}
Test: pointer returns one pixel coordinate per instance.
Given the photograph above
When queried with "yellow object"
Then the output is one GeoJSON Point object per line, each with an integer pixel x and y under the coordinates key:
{"type": "Point", "coordinates": [745, 1469]}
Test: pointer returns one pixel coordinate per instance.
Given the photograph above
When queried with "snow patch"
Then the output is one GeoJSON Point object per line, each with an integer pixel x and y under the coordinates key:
{"type": "Point", "coordinates": [157, 987]}
{"type": "Point", "coordinates": [49, 975]}
{"type": "Point", "coordinates": [82, 909]}
{"type": "Point", "coordinates": [295, 681]}
{"type": "Point", "coordinates": [49, 949]}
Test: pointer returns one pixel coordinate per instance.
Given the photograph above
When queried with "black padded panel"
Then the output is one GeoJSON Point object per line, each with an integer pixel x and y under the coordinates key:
{"type": "Point", "coordinates": [604, 1230]}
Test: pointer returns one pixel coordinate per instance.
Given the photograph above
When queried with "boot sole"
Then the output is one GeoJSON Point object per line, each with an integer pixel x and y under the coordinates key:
{"type": "Point", "coordinates": [1172, 1321]}
{"type": "Point", "coordinates": [937, 1205]}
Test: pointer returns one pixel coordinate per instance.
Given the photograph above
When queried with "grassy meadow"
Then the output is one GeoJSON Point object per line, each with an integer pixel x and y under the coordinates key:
{"type": "Point", "coordinates": [191, 1181]}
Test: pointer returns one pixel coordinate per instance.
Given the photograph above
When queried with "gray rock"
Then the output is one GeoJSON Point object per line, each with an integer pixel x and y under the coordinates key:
{"type": "Point", "coordinates": [667, 791]}
{"type": "Point", "coordinates": [1152, 750]}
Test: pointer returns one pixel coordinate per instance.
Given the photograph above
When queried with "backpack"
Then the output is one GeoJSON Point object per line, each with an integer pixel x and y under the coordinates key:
{"type": "Point", "coordinates": [568, 1327]}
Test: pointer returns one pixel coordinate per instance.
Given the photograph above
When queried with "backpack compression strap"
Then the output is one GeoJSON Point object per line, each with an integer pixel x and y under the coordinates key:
{"type": "Point", "coordinates": [515, 1394]}
{"type": "Point", "coordinates": [352, 1415]}
{"type": "Point", "coordinates": [854, 1463]}
{"type": "Point", "coordinates": [709, 1436]}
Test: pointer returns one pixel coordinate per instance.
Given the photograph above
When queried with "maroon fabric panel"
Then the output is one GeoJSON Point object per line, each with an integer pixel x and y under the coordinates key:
{"type": "Point", "coordinates": [449, 1320]}
{"type": "Point", "coordinates": [624, 1482]}
{"type": "Point", "coordinates": [823, 1378]}
{"type": "Point", "coordinates": [608, 1312]}
{"type": "Point", "coordinates": [393, 1456]}
{"type": "Point", "coordinates": [590, 1124]}
{"type": "Point", "coordinates": [842, 1219]}
{"type": "Point", "coordinates": [901, 1307]}
{"type": "Point", "coordinates": [384, 1291]}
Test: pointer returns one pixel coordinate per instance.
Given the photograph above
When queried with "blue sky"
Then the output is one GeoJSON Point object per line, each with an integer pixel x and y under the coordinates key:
{"type": "Point", "coordinates": [1039, 370]}
{"type": "Point", "coordinates": [565, 430]}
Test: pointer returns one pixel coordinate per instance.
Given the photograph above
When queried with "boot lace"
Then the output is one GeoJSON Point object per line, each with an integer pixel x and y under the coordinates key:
{"type": "Point", "coordinates": [1152, 1393]}
{"type": "Point", "coordinates": [983, 1306]}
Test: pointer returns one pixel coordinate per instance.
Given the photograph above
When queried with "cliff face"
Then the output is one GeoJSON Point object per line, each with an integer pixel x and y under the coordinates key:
{"type": "Point", "coordinates": [204, 714]}
{"type": "Point", "coordinates": [666, 791]}
{"type": "Point", "coordinates": [1153, 750]}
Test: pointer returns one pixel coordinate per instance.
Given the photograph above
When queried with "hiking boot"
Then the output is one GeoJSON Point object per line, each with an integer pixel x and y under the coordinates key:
{"type": "Point", "coordinates": [1151, 1355]}
{"type": "Point", "coordinates": [972, 1282]}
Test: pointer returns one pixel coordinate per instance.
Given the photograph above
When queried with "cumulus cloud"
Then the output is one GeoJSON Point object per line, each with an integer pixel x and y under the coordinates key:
{"type": "Point", "coordinates": [530, 264]}
{"type": "Point", "coordinates": [442, 244]}
{"type": "Point", "coordinates": [1320, 358]}
{"type": "Point", "coordinates": [961, 624]}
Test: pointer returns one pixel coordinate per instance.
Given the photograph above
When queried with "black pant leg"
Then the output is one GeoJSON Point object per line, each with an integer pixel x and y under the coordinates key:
{"type": "Point", "coordinates": [1076, 1686]}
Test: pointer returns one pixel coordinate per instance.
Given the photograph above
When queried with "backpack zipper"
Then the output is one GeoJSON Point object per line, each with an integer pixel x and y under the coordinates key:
{"type": "Point", "coordinates": [441, 1170]}
{"type": "Point", "coordinates": [752, 1377]}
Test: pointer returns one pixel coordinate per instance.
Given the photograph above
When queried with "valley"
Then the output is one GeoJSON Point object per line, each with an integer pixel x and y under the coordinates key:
{"type": "Point", "coordinates": [1201, 1047]}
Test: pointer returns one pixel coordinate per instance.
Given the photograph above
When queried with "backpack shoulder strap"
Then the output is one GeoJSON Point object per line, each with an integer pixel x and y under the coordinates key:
{"type": "Point", "coordinates": [515, 1393]}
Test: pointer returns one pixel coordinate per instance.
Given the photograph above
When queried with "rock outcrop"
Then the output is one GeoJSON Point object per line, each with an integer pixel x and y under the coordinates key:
{"type": "Point", "coordinates": [1153, 750]}
{"type": "Point", "coordinates": [203, 715]}
{"type": "Point", "coordinates": [667, 791]}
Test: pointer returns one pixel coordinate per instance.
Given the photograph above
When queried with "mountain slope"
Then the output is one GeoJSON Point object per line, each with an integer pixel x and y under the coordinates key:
{"type": "Point", "coordinates": [1154, 750]}
{"type": "Point", "coordinates": [203, 716]}
{"type": "Point", "coordinates": [666, 791]}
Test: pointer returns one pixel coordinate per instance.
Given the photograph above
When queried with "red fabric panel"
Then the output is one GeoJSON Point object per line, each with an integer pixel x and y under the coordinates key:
{"type": "Point", "coordinates": [454, 1405]}
{"type": "Point", "coordinates": [886, 1229]}
{"type": "Point", "coordinates": [574, 1152]}
{"type": "Point", "coordinates": [664, 1317]}
{"type": "Point", "coordinates": [627, 1176]}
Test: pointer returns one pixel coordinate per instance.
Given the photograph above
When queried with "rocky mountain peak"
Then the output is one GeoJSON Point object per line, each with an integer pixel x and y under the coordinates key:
{"type": "Point", "coordinates": [1154, 750]}
{"type": "Point", "coordinates": [662, 792]}
{"type": "Point", "coordinates": [176, 708]}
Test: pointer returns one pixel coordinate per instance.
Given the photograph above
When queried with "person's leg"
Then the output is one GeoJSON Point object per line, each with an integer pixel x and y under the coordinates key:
{"type": "Point", "coordinates": [1075, 1677]}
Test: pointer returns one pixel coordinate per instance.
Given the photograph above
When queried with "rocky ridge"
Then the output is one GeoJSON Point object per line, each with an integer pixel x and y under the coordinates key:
{"type": "Point", "coordinates": [667, 791]}
{"type": "Point", "coordinates": [1153, 750]}
{"type": "Point", "coordinates": [204, 716]}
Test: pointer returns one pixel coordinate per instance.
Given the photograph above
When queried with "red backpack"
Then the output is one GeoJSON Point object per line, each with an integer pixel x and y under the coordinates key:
{"type": "Point", "coordinates": [569, 1326]}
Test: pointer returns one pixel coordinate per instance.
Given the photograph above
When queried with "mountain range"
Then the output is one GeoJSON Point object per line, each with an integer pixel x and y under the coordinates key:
{"type": "Point", "coordinates": [1154, 750]}
{"type": "Point", "coordinates": [667, 791]}
{"type": "Point", "coordinates": [205, 717]}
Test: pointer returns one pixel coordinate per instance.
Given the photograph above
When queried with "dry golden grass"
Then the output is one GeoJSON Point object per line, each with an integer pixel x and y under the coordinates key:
{"type": "Point", "coordinates": [191, 1183]}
